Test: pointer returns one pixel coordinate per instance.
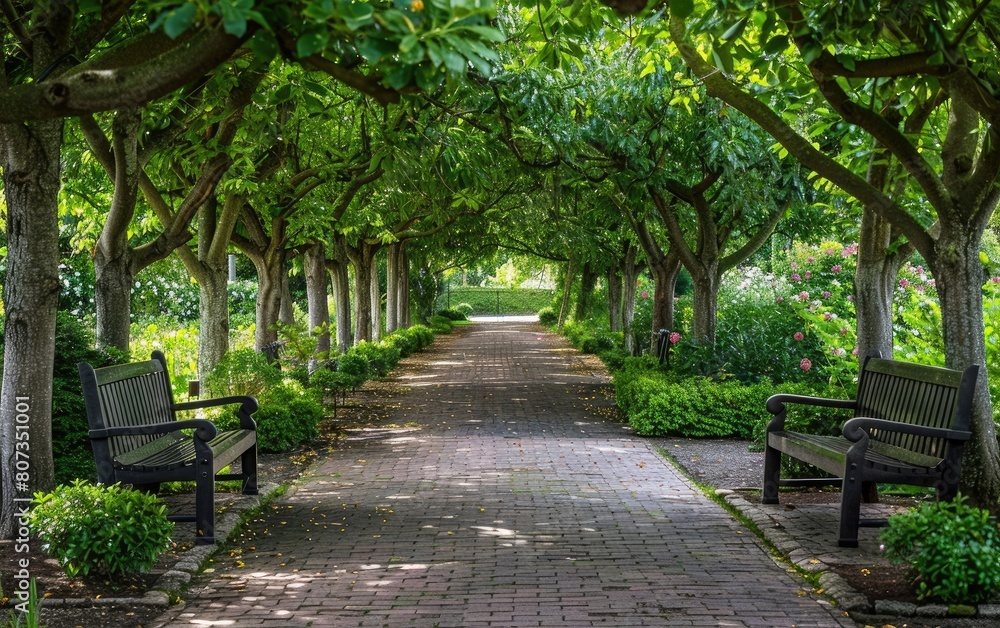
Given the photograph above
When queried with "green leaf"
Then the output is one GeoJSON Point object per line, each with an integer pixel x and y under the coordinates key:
{"type": "Point", "coordinates": [179, 20]}
{"type": "Point", "coordinates": [649, 69]}
{"type": "Point", "coordinates": [311, 43]}
{"type": "Point", "coordinates": [777, 45]}
{"type": "Point", "coordinates": [735, 30]}
{"type": "Point", "coordinates": [234, 22]}
{"type": "Point", "coordinates": [681, 8]}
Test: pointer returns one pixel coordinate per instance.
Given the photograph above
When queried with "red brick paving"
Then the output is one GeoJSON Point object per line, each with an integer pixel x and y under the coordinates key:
{"type": "Point", "coordinates": [514, 503]}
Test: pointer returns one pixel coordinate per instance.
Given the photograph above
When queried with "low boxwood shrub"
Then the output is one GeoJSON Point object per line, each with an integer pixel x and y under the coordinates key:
{"type": "Point", "coordinates": [452, 314]}
{"type": "Point", "coordinates": [423, 334]}
{"type": "Point", "coordinates": [661, 403]}
{"type": "Point", "coordinates": [289, 415]}
{"type": "Point", "coordinates": [441, 324]}
{"type": "Point", "coordinates": [548, 316]}
{"type": "Point", "coordinates": [953, 550]}
{"type": "Point", "coordinates": [464, 309]}
{"type": "Point", "coordinates": [95, 528]}
{"type": "Point", "coordinates": [381, 357]}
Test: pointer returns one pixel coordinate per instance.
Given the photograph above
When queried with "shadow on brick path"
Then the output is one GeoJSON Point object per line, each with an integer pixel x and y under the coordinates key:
{"type": "Point", "coordinates": [513, 502]}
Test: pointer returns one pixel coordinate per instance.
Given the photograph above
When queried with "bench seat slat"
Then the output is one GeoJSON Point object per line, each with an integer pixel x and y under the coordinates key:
{"type": "Point", "coordinates": [177, 450]}
{"type": "Point", "coordinates": [830, 453]}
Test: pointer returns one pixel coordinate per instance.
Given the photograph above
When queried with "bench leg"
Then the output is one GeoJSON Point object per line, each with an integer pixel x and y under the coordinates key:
{"type": "Point", "coordinates": [850, 508]}
{"type": "Point", "coordinates": [248, 467]}
{"type": "Point", "coordinates": [204, 507]}
{"type": "Point", "coordinates": [772, 475]}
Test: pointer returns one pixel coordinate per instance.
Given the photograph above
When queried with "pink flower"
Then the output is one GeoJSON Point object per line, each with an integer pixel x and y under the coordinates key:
{"type": "Point", "coordinates": [904, 283]}
{"type": "Point", "coordinates": [805, 364]}
{"type": "Point", "coordinates": [645, 295]}
{"type": "Point", "coordinates": [854, 352]}
{"type": "Point", "coordinates": [826, 294]}
{"type": "Point", "coordinates": [920, 288]}
{"type": "Point", "coordinates": [849, 250]}
{"type": "Point", "coordinates": [803, 296]}
{"type": "Point", "coordinates": [843, 331]}
{"type": "Point", "coordinates": [779, 299]}
{"type": "Point", "coordinates": [931, 283]}
{"type": "Point", "coordinates": [850, 297]}
{"type": "Point", "coordinates": [836, 268]}
{"type": "Point", "coordinates": [995, 280]}
{"type": "Point", "coordinates": [920, 270]}
{"type": "Point", "coordinates": [808, 274]}
{"type": "Point", "coordinates": [675, 338]}
{"type": "Point", "coordinates": [829, 316]}
{"type": "Point", "coordinates": [839, 352]}
{"type": "Point", "coordinates": [828, 251]}
{"type": "Point", "coordinates": [810, 259]}
{"type": "Point", "coordinates": [795, 277]}
{"type": "Point", "coordinates": [799, 336]}
{"type": "Point", "coordinates": [794, 265]}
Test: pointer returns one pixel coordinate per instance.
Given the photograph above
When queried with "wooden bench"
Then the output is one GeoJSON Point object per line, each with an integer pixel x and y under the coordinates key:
{"type": "Point", "coordinates": [138, 440]}
{"type": "Point", "coordinates": [910, 424]}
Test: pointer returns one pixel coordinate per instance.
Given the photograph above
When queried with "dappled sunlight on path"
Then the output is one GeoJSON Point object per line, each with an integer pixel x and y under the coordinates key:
{"type": "Point", "coordinates": [507, 500]}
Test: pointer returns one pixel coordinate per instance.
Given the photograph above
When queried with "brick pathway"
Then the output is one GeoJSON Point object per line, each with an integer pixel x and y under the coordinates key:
{"type": "Point", "coordinates": [512, 502]}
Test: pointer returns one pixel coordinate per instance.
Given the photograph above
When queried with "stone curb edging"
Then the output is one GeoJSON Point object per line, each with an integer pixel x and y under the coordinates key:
{"type": "Point", "coordinates": [190, 561]}
{"type": "Point", "coordinates": [836, 587]}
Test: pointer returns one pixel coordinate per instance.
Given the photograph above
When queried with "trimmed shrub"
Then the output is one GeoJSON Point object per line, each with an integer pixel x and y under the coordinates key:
{"type": "Point", "coordinates": [242, 372]}
{"type": "Point", "coordinates": [452, 314]}
{"type": "Point", "coordinates": [953, 550]}
{"type": "Point", "coordinates": [89, 527]}
{"type": "Point", "coordinates": [658, 403]}
{"type": "Point", "coordinates": [441, 324]}
{"type": "Point", "coordinates": [464, 309]}
{"type": "Point", "coordinates": [288, 416]}
{"type": "Point", "coordinates": [548, 316]}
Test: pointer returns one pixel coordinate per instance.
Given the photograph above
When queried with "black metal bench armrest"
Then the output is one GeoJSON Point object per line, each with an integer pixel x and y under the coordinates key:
{"type": "Point", "coordinates": [776, 403]}
{"type": "Point", "coordinates": [776, 406]}
{"type": "Point", "coordinates": [248, 407]}
{"type": "Point", "coordinates": [203, 430]}
{"type": "Point", "coordinates": [857, 429]}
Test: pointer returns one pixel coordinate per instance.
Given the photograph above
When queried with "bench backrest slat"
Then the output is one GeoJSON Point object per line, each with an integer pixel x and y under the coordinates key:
{"type": "Point", "coordinates": [913, 394]}
{"type": "Point", "coordinates": [128, 395]}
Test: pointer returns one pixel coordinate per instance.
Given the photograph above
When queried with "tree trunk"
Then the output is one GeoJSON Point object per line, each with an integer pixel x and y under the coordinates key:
{"type": "Point", "coordinates": [630, 279]}
{"type": "Point", "coordinates": [706, 305]}
{"type": "Point", "coordinates": [959, 275]}
{"type": "Point", "coordinates": [392, 286]}
{"type": "Point", "coordinates": [113, 299]}
{"type": "Point", "coordinates": [615, 298]}
{"type": "Point", "coordinates": [113, 257]}
{"type": "Point", "coordinates": [567, 290]}
{"type": "Point", "coordinates": [269, 297]}
{"type": "Point", "coordinates": [337, 265]}
{"type": "Point", "coordinates": [588, 279]}
{"type": "Point", "coordinates": [376, 302]}
{"type": "Point", "coordinates": [874, 283]}
{"type": "Point", "coordinates": [316, 291]}
{"type": "Point", "coordinates": [404, 317]}
{"type": "Point", "coordinates": [362, 260]}
{"type": "Point", "coordinates": [213, 316]}
{"type": "Point", "coordinates": [665, 273]}
{"type": "Point", "coordinates": [286, 313]}
{"type": "Point", "coordinates": [31, 168]}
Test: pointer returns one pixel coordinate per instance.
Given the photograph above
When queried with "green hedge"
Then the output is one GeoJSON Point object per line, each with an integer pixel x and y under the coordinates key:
{"type": "Point", "coordinates": [513, 301]}
{"type": "Point", "coordinates": [658, 404]}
